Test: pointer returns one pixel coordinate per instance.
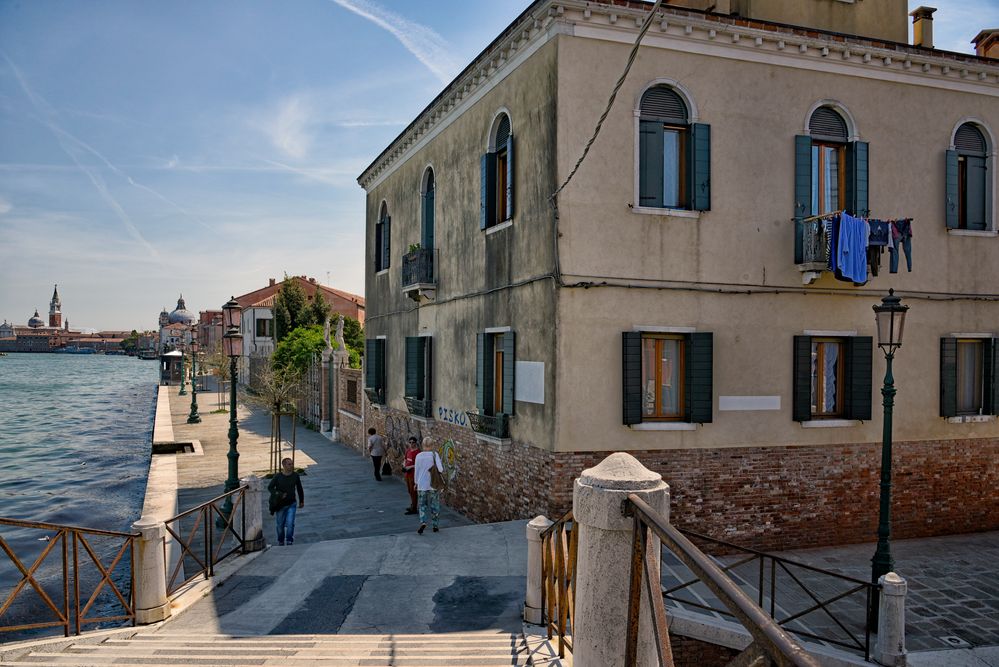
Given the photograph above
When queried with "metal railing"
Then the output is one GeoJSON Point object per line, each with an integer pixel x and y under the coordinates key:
{"type": "Point", "coordinates": [68, 539]}
{"type": "Point", "coordinates": [771, 643]}
{"type": "Point", "coordinates": [558, 580]}
{"type": "Point", "coordinates": [418, 267]}
{"type": "Point", "coordinates": [781, 584]}
{"type": "Point", "coordinates": [419, 407]}
{"type": "Point", "coordinates": [201, 547]}
{"type": "Point", "coordinates": [497, 426]}
{"type": "Point", "coordinates": [814, 246]}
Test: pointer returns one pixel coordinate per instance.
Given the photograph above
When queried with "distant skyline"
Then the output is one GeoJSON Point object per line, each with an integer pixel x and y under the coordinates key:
{"type": "Point", "coordinates": [151, 149]}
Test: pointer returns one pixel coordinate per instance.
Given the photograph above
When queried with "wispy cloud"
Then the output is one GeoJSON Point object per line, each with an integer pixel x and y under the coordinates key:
{"type": "Point", "coordinates": [428, 47]}
{"type": "Point", "coordinates": [290, 128]}
{"type": "Point", "coordinates": [5, 206]}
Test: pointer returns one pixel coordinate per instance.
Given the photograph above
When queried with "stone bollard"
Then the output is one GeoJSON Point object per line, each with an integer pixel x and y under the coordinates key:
{"type": "Point", "coordinates": [151, 601]}
{"type": "Point", "coordinates": [890, 647]}
{"type": "Point", "coordinates": [253, 505]}
{"type": "Point", "coordinates": [603, 561]}
{"type": "Point", "coordinates": [533, 613]}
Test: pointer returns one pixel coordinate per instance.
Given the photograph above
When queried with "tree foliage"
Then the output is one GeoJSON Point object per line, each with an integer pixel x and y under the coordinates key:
{"type": "Point", "coordinates": [291, 309]}
{"type": "Point", "coordinates": [296, 351]}
{"type": "Point", "coordinates": [318, 309]}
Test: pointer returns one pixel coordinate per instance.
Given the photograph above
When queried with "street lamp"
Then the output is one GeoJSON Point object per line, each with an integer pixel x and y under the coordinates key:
{"type": "Point", "coordinates": [890, 316]}
{"type": "Point", "coordinates": [183, 368]}
{"type": "Point", "coordinates": [194, 417]}
{"type": "Point", "coordinates": [233, 344]}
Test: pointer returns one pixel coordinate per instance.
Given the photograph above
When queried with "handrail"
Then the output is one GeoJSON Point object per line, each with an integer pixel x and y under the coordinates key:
{"type": "Point", "coordinates": [65, 615]}
{"type": "Point", "coordinates": [769, 639]}
{"type": "Point", "coordinates": [210, 553]}
{"type": "Point", "coordinates": [558, 580]}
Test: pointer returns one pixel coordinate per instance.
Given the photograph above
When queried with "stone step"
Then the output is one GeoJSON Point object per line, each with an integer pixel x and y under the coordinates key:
{"type": "Point", "coordinates": [221, 650]}
{"type": "Point", "coordinates": [100, 660]}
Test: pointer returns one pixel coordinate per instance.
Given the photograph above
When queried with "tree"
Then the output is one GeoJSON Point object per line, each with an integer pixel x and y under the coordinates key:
{"type": "Point", "coordinates": [318, 309]}
{"type": "Point", "coordinates": [296, 352]}
{"type": "Point", "coordinates": [276, 391]}
{"type": "Point", "coordinates": [131, 342]}
{"type": "Point", "coordinates": [291, 309]}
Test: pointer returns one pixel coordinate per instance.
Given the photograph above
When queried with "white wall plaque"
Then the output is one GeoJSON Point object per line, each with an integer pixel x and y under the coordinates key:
{"type": "Point", "coordinates": [529, 386]}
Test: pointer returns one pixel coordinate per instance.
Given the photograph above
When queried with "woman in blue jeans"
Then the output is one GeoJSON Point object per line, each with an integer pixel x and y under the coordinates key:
{"type": "Point", "coordinates": [284, 486]}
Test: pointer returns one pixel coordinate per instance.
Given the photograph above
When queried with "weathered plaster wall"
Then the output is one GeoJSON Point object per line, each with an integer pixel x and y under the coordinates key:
{"type": "Point", "coordinates": [881, 19]}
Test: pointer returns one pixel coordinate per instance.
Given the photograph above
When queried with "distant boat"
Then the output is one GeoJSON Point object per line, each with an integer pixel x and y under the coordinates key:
{"type": "Point", "coordinates": [149, 355]}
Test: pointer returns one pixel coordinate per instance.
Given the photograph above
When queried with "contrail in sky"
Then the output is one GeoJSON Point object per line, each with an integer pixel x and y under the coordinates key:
{"type": "Point", "coordinates": [428, 47]}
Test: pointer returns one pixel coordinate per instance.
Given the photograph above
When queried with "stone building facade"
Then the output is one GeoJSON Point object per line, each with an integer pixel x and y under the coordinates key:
{"type": "Point", "coordinates": [672, 300]}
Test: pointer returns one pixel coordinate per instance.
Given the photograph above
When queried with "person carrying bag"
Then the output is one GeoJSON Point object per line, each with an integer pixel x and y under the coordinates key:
{"type": "Point", "coordinates": [429, 483]}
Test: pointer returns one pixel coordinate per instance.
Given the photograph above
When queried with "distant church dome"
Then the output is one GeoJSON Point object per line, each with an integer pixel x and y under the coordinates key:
{"type": "Point", "coordinates": [181, 314]}
{"type": "Point", "coordinates": [36, 322]}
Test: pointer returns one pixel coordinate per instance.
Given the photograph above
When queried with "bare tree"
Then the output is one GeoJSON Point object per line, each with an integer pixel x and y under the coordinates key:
{"type": "Point", "coordinates": [276, 390]}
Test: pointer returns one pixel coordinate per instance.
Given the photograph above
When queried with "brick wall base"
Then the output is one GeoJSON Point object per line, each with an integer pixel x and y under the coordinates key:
{"type": "Point", "coordinates": [770, 498]}
{"type": "Point", "coordinates": [695, 653]}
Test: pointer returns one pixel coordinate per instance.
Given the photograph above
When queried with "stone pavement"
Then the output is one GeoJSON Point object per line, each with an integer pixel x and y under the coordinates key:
{"type": "Point", "coordinates": [357, 565]}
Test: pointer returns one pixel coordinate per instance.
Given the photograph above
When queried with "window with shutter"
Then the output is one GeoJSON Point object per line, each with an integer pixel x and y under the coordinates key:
{"type": "Point", "coordinates": [495, 365]}
{"type": "Point", "coordinates": [968, 187]}
{"type": "Point", "coordinates": [674, 155]}
{"type": "Point", "coordinates": [497, 176]}
{"type": "Point", "coordinates": [667, 377]}
{"type": "Point", "coordinates": [382, 239]}
{"type": "Point", "coordinates": [837, 169]}
{"type": "Point", "coordinates": [418, 367]}
{"type": "Point", "coordinates": [427, 210]}
{"type": "Point", "coordinates": [832, 378]}
{"type": "Point", "coordinates": [374, 369]}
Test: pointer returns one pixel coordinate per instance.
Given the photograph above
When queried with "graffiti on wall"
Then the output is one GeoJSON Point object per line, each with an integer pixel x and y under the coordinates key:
{"type": "Point", "coordinates": [449, 457]}
{"type": "Point", "coordinates": [452, 416]}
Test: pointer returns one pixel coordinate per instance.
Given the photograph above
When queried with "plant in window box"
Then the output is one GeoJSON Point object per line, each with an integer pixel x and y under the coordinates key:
{"type": "Point", "coordinates": [413, 247]}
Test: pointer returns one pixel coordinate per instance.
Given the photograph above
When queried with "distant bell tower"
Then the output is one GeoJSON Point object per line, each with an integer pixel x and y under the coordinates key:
{"type": "Point", "coordinates": [55, 309]}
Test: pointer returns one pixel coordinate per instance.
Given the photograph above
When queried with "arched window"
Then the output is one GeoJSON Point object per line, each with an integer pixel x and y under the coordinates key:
{"type": "Point", "coordinates": [427, 210]}
{"type": "Point", "coordinates": [830, 170]}
{"type": "Point", "coordinates": [383, 236]}
{"type": "Point", "coordinates": [674, 155]}
{"type": "Point", "coordinates": [496, 203]}
{"type": "Point", "coordinates": [968, 187]}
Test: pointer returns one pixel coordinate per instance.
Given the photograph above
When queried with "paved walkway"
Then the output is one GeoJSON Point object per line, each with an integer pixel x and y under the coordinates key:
{"type": "Point", "coordinates": [357, 565]}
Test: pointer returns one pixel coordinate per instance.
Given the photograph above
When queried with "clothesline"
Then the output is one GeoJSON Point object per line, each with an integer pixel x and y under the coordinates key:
{"type": "Point", "coordinates": [823, 216]}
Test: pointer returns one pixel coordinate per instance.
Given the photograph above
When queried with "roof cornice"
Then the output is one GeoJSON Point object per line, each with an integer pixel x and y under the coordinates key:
{"type": "Point", "coordinates": [544, 19]}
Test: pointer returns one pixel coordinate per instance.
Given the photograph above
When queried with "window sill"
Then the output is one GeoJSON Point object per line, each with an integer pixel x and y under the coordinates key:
{"type": "Point", "coordinates": [382, 272]}
{"type": "Point", "coordinates": [663, 426]}
{"type": "Point", "coordinates": [831, 423]}
{"type": "Point", "coordinates": [667, 212]}
{"type": "Point", "coordinates": [971, 419]}
{"type": "Point", "coordinates": [490, 440]}
{"type": "Point", "coordinates": [972, 232]}
{"type": "Point", "coordinates": [502, 225]}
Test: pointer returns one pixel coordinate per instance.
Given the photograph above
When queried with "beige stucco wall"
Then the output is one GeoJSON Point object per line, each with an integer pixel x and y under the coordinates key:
{"type": "Point", "coordinates": [882, 19]}
{"type": "Point", "coordinates": [746, 242]}
{"type": "Point", "coordinates": [475, 269]}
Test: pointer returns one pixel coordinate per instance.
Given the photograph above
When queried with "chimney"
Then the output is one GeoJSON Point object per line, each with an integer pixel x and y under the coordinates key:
{"type": "Point", "coordinates": [987, 43]}
{"type": "Point", "coordinates": [270, 283]}
{"type": "Point", "coordinates": [922, 26]}
{"type": "Point", "coordinates": [312, 280]}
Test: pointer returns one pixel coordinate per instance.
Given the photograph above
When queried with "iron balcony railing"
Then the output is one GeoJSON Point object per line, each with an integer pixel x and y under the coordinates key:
{"type": "Point", "coordinates": [206, 534]}
{"type": "Point", "coordinates": [107, 575]}
{"type": "Point", "coordinates": [812, 253]}
{"type": "Point", "coordinates": [418, 267]}
{"type": "Point", "coordinates": [497, 426]}
{"type": "Point", "coordinates": [419, 407]}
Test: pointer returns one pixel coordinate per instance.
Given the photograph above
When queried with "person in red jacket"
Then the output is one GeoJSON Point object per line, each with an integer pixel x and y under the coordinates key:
{"type": "Point", "coordinates": [409, 461]}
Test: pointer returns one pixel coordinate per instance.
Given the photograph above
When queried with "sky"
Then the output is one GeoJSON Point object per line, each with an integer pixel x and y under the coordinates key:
{"type": "Point", "coordinates": [152, 149]}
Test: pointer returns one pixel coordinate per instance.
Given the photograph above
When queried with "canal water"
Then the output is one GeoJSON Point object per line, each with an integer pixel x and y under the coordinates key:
{"type": "Point", "coordinates": [75, 445]}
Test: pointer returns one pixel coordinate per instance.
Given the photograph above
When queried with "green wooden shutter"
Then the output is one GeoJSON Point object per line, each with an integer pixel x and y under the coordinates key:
{"type": "Point", "coordinates": [948, 377]}
{"type": "Point", "coordinates": [428, 368]}
{"type": "Point", "coordinates": [487, 201]}
{"type": "Point", "coordinates": [427, 238]}
{"type": "Point", "coordinates": [412, 366]}
{"type": "Point", "coordinates": [700, 191]}
{"type": "Point", "coordinates": [378, 246]}
{"type": "Point", "coordinates": [484, 372]}
{"type": "Point", "coordinates": [650, 164]}
{"type": "Point", "coordinates": [802, 192]}
{"type": "Point", "coordinates": [382, 369]}
{"type": "Point", "coordinates": [509, 370]}
{"type": "Point", "coordinates": [857, 178]}
{"type": "Point", "coordinates": [859, 369]}
{"type": "Point", "coordinates": [370, 365]}
{"type": "Point", "coordinates": [802, 390]}
{"type": "Point", "coordinates": [699, 388]}
{"type": "Point", "coordinates": [509, 177]}
{"type": "Point", "coordinates": [631, 362]}
{"type": "Point", "coordinates": [386, 242]}
{"type": "Point", "coordinates": [975, 195]}
{"type": "Point", "coordinates": [990, 400]}
{"type": "Point", "coordinates": [952, 193]}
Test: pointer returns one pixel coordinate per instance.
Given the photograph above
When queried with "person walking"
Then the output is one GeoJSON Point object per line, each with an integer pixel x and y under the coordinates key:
{"type": "Point", "coordinates": [376, 450]}
{"type": "Point", "coordinates": [408, 467]}
{"type": "Point", "coordinates": [427, 462]}
{"type": "Point", "coordinates": [283, 487]}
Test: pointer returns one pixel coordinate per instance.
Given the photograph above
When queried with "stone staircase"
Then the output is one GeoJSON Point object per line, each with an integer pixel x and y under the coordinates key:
{"type": "Point", "coordinates": [465, 649]}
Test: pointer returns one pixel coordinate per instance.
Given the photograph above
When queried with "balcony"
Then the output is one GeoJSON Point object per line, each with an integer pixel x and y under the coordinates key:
{"type": "Point", "coordinates": [494, 426]}
{"type": "Point", "coordinates": [811, 252]}
{"type": "Point", "coordinates": [418, 281]}
{"type": "Point", "coordinates": [419, 407]}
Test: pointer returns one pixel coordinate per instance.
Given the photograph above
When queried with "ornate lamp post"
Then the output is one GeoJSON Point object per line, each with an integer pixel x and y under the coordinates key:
{"type": "Point", "coordinates": [890, 316]}
{"type": "Point", "coordinates": [194, 417]}
{"type": "Point", "coordinates": [233, 344]}
{"type": "Point", "coordinates": [183, 370]}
